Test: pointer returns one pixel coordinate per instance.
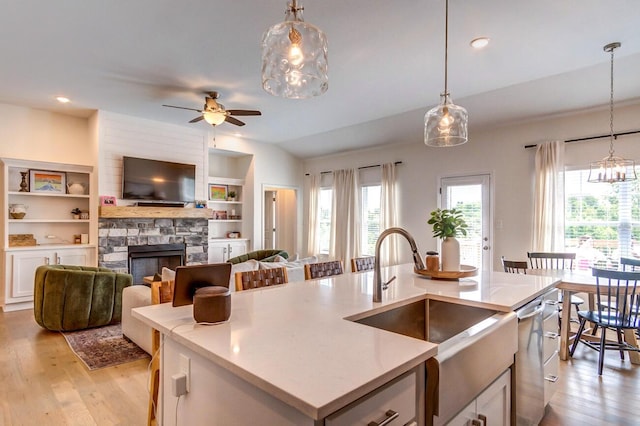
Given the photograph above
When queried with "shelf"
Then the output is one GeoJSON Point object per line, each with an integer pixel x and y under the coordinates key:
{"type": "Point", "coordinates": [223, 202]}
{"type": "Point", "coordinates": [49, 220]}
{"type": "Point", "coordinates": [45, 194]}
{"type": "Point", "coordinates": [49, 247]}
{"type": "Point", "coordinates": [151, 212]}
{"type": "Point", "coordinates": [225, 220]}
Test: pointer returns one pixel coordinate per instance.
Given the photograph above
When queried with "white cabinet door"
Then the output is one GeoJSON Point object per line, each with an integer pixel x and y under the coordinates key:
{"type": "Point", "coordinates": [465, 417]}
{"type": "Point", "coordinates": [23, 269]}
{"type": "Point", "coordinates": [494, 404]}
{"type": "Point", "coordinates": [80, 257]}
{"type": "Point", "coordinates": [236, 248]}
{"type": "Point", "coordinates": [218, 252]}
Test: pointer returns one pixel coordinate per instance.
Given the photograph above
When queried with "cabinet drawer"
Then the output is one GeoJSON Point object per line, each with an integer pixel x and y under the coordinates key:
{"type": "Point", "coordinates": [551, 377]}
{"type": "Point", "coordinates": [550, 336]}
{"type": "Point", "coordinates": [399, 396]}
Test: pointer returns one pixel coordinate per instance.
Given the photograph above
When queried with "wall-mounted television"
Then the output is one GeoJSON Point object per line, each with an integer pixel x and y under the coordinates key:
{"type": "Point", "coordinates": [158, 181]}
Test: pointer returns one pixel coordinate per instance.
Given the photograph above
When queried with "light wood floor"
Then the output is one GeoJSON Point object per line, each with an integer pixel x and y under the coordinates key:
{"type": "Point", "coordinates": [43, 383]}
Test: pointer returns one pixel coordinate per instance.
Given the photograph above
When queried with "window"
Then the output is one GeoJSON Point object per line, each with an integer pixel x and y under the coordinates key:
{"type": "Point", "coordinates": [324, 220]}
{"type": "Point", "coordinates": [602, 221]}
{"type": "Point", "coordinates": [370, 219]}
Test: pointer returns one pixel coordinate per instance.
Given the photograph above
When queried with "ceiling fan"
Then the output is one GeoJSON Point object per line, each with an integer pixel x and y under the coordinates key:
{"type": "Point", "coordinates": [215, 113]}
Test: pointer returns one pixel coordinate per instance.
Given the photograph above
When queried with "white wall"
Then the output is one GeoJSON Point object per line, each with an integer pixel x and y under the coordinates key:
{"type": "Point", "coordinates": [499, 151]}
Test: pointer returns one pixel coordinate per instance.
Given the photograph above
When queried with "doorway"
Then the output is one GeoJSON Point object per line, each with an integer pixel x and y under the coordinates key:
{"type": "Point", "coordinates": [280, 218]}
{"type": "Point", "coordinates": [472, 195]}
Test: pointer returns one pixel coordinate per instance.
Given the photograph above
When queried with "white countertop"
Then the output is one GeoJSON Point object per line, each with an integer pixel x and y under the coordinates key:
{"type": "Point", "coordinates": [293, 342]}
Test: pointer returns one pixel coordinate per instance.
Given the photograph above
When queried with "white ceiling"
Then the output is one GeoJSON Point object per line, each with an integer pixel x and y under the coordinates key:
{"type": "Point", "coordinates": [385, 62]}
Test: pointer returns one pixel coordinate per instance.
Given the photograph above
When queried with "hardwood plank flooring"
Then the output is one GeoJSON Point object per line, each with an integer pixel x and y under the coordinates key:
{"type": "Point", "coordinates": [43, 383]}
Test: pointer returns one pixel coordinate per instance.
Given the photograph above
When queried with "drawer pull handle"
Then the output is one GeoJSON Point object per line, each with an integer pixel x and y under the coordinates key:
{"type": "Point", "coordinates": [551, 378]}
{"type": "Point", "coordinates": [391, 416]}
{"type": "Point", "coordinates": [551, 302]}
{"type": "Point", "coordinates": [551, 335]}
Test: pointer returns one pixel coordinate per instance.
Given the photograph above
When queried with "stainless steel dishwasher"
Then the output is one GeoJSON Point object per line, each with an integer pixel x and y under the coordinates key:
{"type": "Point", "coordinates": [537, 357]}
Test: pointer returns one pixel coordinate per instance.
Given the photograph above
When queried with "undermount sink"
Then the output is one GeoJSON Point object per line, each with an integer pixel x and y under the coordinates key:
{"type": "Point", "coordinates": [475, 346]}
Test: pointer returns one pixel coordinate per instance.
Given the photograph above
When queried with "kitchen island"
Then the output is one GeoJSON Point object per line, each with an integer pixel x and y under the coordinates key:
{"type": "Point", "coordinates": [288, 355]}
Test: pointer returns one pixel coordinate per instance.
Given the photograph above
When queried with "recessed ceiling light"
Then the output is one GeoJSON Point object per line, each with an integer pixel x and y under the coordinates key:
{"type": "Point", "coordinates": [480, 42]}
{"type": "Point", "coordinates": [62, 99]}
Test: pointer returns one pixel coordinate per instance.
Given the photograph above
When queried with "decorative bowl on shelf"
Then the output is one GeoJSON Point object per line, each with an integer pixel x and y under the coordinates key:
{"type": "Point", "coordinates": [18, 215]}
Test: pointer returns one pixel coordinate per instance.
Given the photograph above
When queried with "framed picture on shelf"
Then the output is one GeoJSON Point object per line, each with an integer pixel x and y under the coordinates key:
{"type": "Point", "coordinates": [217, 192]}
{"type": "Point", "coordinates": [220, 214]}
{"type": "Point", "coordinates": [47, 181]}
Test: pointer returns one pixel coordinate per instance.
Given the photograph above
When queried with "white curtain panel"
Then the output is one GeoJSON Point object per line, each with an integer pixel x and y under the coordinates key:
{"type": "Point", "coordinates": [548, 227]}
{"type": "Point", "coordinates": [345, 216]}
{"type": "Point", "coordinates": [388, 214]}
{"type": "Point", "coordinates": [313, 183]}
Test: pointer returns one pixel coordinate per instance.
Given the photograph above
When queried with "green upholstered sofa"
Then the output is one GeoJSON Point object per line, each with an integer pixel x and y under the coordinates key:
{"type": "Point", "coordinates": [68, 298]}
{"type": "Point", "coordinates": [261, 255]}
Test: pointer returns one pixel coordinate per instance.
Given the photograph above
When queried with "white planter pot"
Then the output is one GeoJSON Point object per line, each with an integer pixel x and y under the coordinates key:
{"type": "Point", "coordinates": [450, 254]}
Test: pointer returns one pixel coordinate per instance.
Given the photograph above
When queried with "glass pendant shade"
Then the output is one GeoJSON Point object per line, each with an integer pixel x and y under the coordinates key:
{"type": "Point", "coordinates": [446, 124]}
{"type": "Point", "coordinates": [612, 169]}
{"type": "Point", "coordinates": [214, 117]}
{"type": "Point", "coordinates": [294, 58]}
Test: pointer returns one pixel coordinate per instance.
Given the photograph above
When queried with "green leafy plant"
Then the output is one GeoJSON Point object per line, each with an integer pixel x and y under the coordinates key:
{"type": "Point", "coordinates": [447, 223]}
{"type": "Point", "coordinates": [232, 194]}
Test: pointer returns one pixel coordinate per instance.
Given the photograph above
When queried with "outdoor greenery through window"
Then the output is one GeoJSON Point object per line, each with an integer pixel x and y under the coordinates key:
{"type": "Point", "coordinates": [370, 220]}
{"type": "Point", "coordinates": [468, 199]}
{"type": "Point", "coordinates": [602, 221]}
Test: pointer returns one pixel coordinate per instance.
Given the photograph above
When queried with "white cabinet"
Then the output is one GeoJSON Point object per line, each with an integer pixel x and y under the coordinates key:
{"type": "Point", "coordinates": [21, 265]}
{"type": "Point", "coordinates": [491, 407]}
{"type": "Point", "coordinates": [47, 233]}
{"type": "Point", "coordinates": [221, 250]}
{"type": "Point", "coordinates": [396, 403]}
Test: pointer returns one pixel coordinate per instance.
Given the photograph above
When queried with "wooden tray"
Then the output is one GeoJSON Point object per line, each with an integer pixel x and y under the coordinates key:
{"type": "Point", "coordinates": [465, 271]}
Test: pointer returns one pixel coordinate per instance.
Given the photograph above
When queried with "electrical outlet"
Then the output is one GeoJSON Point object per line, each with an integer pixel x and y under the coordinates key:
{"type": "Point", "coordinates": [185, 368]}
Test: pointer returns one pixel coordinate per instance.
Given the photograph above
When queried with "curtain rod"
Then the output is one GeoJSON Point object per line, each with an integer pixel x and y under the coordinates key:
{"type": "Point", "coordinates": [359, 168]}
{"type": "Point", "coordinates": [588, 138]}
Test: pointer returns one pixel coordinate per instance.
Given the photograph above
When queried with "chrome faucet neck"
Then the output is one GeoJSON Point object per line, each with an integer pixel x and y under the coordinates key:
{"type": "Point", "coordinates": [377, 278]}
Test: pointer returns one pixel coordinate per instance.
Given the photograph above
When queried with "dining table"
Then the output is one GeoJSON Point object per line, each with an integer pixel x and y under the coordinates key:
{"type": "Point", "coordinates": [579, 281]}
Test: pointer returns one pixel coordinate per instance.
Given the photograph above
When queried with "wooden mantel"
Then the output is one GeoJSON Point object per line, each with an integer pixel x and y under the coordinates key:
{"type": "Point", "coordinates": [115, 212]}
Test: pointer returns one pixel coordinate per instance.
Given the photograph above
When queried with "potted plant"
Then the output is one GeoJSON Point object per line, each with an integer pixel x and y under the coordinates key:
{"type": "Point", "coordinates": [447, 225]}
{"type": "Point", "coordinates": [76, 213]}
{"type": "Point", "coordinates": [232, 196]}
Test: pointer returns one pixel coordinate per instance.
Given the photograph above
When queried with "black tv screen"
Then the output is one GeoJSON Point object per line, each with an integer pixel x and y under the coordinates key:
{"type": "Point", "coordinates": [153, 180]}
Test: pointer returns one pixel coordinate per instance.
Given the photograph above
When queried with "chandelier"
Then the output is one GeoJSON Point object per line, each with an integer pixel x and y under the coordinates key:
{"type": "Point", "coordinates": [446, 124]}
{"type": "Point", "coordinates": [612, 169]}
{"type": "Point", "coordinates": [294, 57]}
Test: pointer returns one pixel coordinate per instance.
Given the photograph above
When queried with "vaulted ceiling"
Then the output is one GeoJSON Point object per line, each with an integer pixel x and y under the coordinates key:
{"type": "Point", "coordinates": [386, 61]}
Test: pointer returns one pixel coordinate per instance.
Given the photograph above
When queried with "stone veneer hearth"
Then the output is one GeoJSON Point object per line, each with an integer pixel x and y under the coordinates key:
{"type": "Point", "coordinates": [115, 235]}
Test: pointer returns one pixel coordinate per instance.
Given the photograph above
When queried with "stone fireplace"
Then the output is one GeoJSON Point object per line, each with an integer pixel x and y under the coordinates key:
{"type": "Point", "coordinates": [133, 236]}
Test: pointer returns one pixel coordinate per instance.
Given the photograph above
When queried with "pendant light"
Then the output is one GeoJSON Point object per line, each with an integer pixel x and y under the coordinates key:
{"type": "Point", "coordinates": [446, 124]}
{"type": "Point", "coordinates": [294, 57]}
{"type": "Point", "coordinates": [612, 169]}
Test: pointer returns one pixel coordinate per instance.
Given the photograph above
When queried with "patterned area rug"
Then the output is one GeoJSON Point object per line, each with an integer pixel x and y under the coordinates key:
{"type": "Point", "coordinates": [103, 347]}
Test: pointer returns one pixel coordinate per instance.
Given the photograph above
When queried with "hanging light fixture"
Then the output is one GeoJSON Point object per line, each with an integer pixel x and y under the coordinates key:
{"type": "Point", "coordinates": [294, 57]}
{"type": "Point", "coordinates": [446, 124]}
{"type": "Point", "coordinates": [612, 169]}
{"type": "Point", "coordinates": [214, 117]}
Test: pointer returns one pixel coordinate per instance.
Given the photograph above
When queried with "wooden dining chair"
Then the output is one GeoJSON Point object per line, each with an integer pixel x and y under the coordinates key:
{"type": "Point", "coordinates": [161, 292]}
{"type": "Point", "coordinates": [617, 307]}
{"type": "Point", "coordinates": [323, 269]}
{"type": "Point", "coordinates": [630, 264]}
{"type": "Point", "coordinates": [514, 266]}
{"type": "Point", "coordinates": [555, 261]}
{"type": "Point", "coordinates": [247, 280]}
{"type": "Point", "coordinates": [359, 264]}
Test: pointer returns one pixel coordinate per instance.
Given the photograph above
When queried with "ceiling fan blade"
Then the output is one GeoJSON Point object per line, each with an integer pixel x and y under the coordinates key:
{"type": "Point", "coordinates": [198, 118]}
{"type": "Point", "coordinates": [243, 112]}
{"type": "Point", "coordinates": [232, 120]}
{"type": "Point", "coordinates": [190, 109]}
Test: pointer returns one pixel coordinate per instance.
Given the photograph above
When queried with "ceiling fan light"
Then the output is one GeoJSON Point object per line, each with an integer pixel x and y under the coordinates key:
{"type": "Point", "coordinates": [446, 124]}
{"type": "Point", "coordinates": [294, 58]}
{"type": "Point", "coordinates": [214, 117]}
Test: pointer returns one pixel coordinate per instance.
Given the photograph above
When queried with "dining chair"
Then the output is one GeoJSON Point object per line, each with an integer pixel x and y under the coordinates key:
{"type": "Point", "coordinates": [514, 266]}
{"type": "Point", "coordinates": [617, 307]}
{"type": "Point", "coordinates": [246, 280]}
{"type": "Point", "coordinates": [359, 264]}
{"type": "Point", "coordinates": [323, 269]}
{"type": "Point", "coordinates": [555, 261]}
{"type": "Point", "coordinates": [630, 264]}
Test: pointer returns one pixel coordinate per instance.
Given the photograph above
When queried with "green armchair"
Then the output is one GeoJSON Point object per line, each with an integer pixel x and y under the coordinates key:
{"type": "Point", "coordinates": [261, 255]}
{"type": "Point", "coordinates": [68, 298]}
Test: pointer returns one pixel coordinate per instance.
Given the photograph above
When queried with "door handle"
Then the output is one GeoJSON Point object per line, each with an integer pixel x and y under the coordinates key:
{"type": "Point", "coordinates": [485, 247]}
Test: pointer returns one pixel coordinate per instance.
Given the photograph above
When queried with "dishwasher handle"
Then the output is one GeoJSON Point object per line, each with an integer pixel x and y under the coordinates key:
{"type": "Point", "coordinates": [523, 313]}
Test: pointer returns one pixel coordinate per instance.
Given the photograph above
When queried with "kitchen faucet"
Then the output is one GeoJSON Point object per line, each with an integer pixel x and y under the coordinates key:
{"type": "Point", "coordinates": [377, 279]}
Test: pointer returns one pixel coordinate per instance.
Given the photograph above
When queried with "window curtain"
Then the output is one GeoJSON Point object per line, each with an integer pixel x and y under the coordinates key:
{"type": "Point", "coordinates": [548, 226]}
{"type": "Point", "coordinates": [313, 182]}
{"type": "Point", "coordinates": [345, 216]}
{"type": "Point", "coordinates": [388, 213]}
